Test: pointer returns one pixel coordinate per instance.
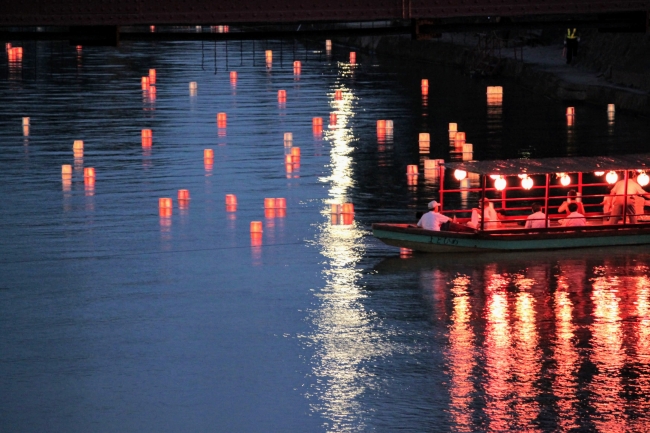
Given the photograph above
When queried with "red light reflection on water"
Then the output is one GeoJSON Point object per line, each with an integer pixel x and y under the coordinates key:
{"type": "Point", "coordinates": [553, 347]}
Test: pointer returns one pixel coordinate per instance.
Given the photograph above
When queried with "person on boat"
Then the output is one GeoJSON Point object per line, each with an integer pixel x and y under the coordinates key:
{"type": "Point", "coordinates": [618, 193]}
{"type": "Point", "coordinates": [575, 218]}
{"type": "Point", "coordinates": [536, 220]}
{"type": "Point", "coordinates": [491, 217]}
{"type": "Point", "coordinates": [608, 201]}
{"type": "Point", "coordinates": [433, 219]}
{"type": "Point", "coordinates": [571, 197]}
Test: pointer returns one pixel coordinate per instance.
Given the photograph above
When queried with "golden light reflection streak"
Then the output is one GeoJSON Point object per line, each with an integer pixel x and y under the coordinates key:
{"type": "Point", "coordinates": [528, 357]}
{"type": "Point", "coordinates": [343, 335]}
{"type": "Point", "coordinates": [608, 354]}
{"type": "Point", "coordinates": [643, 337]}
{"type": "Point", "coordinates": [498, 353]}
{"type": "Point", "coordinates": [461, 355]}
{"type": "Point", "coordinates": [566, 356]}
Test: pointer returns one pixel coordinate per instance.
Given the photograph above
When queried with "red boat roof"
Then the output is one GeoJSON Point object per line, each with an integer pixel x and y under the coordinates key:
{"type": "Point", "coordinates": [578, 164]}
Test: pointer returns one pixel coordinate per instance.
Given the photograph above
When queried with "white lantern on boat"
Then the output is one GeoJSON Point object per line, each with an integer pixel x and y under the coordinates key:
{"type": "Point", "coordinates": [599, 173]}
{"type": "Point", "coordinates": [494, 176]}
{"type": "Point", "coordinates": [527, 182]}
{"type": "Point", "coordinates": [565, 180]}
{"type": "Point", "coordinates": [643, 179]}
{"type": "Point", "coordinates": [500, 183]}
{"type": "Point", "coordinates": [460, 174]}
{"type": "Point", "coordinates": [611, 177]}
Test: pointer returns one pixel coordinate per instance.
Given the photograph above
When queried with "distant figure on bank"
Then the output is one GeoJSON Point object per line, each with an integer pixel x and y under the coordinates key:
{"type": "Point", "coordinates": [536, 220]}
{"type": "Point", "coordinates": [433, 219]}
{"type": "Point", "coordinates": [618, 192]}
{"type": "Point", "coordinates": [491, 217]}
{"type": "Point", "coordinates": [575, 218]}
{"type": "Point", "coordinates": [571, 44]}
{"type": "Point", "coordinates": [572, 197]}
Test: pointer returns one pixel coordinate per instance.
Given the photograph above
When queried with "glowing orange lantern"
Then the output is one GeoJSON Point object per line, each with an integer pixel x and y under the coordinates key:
{"type": "Point", "coordinates": [460, 174]}
{"type": "Point", "coordinates": [288, 137]}
{"type": "Point", "coordinates": [348, 208]}
{"type": "Point", "coordinates": [208, 154]}
{"type": "Point", "coordinates": [146, 133]}
{"type": "Point", "coordinates": [459, 140]}
{"type": "Point", "coordinates": [281, 203]}
{"type": "Point", "coordinates": [78, 145]}
{"type": "Point", "coordinates": [338, 95]}
{"type": "Point", "coordinates": [152, 76]}
{"type": "Point", "coordinates": [66, 170]}
{"type": "Point", "coordinates": [193, 87]}
{"type": "Point", "coordinates": [336, 208]}
{"type": "Point", "coordinates": [282, 95]}
{"type": "Point", "coordinates": [221, 120]}
{"type": "Point", "coordinates": [269, 56]}
{"type": "Point", "coordinates": [328, 45]}
{"type": "Point", "coordinates": [411, 169]}
{"type": "Point", "coordinates": [183, 194]}
{"type": "Point", "coordinates": [381, 125]}
{"type": "Point", "coordinates": [165, 203]}
{"type": "Point", "coordinates": [611, 108]}
{"type": "Point", "coordinates": [347, 219]}
{"type": "Point", "coordinates": [333, 119]}
{"type": "Point", "coordinates": [233, 77]}
{"type": "Point", "coordinates": [570, 111]}
{"type": "Point", "coordinates": [611, 177]}
{"type": "Point", "coordinates": [317, 125]}
{"type": "Point", "coordinates": [145, 83]}
{"type": "Point", "coordinates": [89, 172]}
{"type": "Point", "coordinates": [295, 152]}
{"type": "Point", "coordinates": [256, 226]}
{"type": "Point", "coordinates": [296, 67]}
{"type": "Point", "coordinates": [353, 58]}
{"type": "Point", "coordinates": [25, 121]}
{"type": "Point", "coordinates": [500, 183]}
{"type": "Point", "coordinates": [565, 179]}
{"type": "Point", "coordinates": [527, 182]}
{"type": "Point", "coordinates": [425, 87]}
{"type": "Point", "coordinates": [269, 203]}
{"type": "Point", "coordinates": [231, 200]}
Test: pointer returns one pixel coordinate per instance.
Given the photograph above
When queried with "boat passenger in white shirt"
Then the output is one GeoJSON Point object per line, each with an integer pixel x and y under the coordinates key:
{"type": "Point", "coordinates": [491, 217]}
{"type": "Point", "coordinates": [618, 192]}
{"type": "Point", "coordinates": [575, 218]}
{"type": "Point", "coordinates": [537, 220]}
{"type": "Point", "coordinates": [433, 219]}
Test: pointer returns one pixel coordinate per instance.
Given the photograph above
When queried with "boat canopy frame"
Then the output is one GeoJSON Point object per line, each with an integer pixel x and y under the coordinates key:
{"type": "Point", "coordinates": [547, 167]}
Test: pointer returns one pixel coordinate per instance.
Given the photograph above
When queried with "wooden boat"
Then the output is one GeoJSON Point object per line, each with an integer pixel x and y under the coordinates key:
{"type": "Point", "coordinates": [553, 175]}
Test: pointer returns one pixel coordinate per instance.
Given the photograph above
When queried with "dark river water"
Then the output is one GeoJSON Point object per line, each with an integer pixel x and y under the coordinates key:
{"type": "Point", "coordinates": [114, 318]}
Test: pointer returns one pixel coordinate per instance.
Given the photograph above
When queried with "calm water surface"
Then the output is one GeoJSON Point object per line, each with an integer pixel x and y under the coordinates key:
{"type": "Point", "coordinates": [113, 318]}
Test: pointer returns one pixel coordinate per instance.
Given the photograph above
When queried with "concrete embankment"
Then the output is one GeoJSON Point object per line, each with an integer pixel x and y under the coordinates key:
{"type": "Point", "coordinates": [610, 68]}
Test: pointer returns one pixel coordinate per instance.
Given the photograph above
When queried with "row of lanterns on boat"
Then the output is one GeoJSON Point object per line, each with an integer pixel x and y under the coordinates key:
{"type": "Point", "coordinates": [565, 179]}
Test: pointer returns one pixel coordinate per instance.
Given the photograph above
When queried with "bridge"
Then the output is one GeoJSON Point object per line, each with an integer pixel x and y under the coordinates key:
{"type": "Point", "coordinates": [107, 18]}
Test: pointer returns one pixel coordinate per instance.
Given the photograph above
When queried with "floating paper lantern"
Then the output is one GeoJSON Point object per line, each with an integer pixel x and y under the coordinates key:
{"type": "Point", "coordinates": [152, 76]}
{"type": "Point", "coordinates": [146, 133]}
{"type": "Point", "coordinates": [565, 179]}
{"type": "Point", "coordinates": [460, 174]}
{"type": "Point", "coordinates": [611, 108]}
{"type": "Point", "coordinates": [268, 55]}
{"type": "Point", "coordinates": [459, 139]}
{"type": "Point", "coordinates": [353, 58]}
{"type": "Point", "coordinates": [165, 203]}
{"type": "Point", "coordinates": [78, 145]}
{"type": "Point", "coordinates": [222, 120]}
{"type": "Point", "coordinates": [233, 77]}
{"type": "Point", "coordinates": [66, 170]}
{"type": "Point", "coordinates": [282, 95]}
{"type": "Point", "coordinates": [348, 208]}
{"type": "Point", "coordinates": [208, 154]}
{"type": "Point", "coordinates": [288, 137]}
{"type": "Point", "coordinates": [269, 203]}
{"type": "Point", "coordinates": [333, 119]}
{"type": "Point", "coordinates": [338, 95]}
{"type": "Point", "coordinates": [611, 177]}
{"type": "Point", "coordinates": [183, 194]}
{"type": "Point", "coordinates": [500, 183]}
{"type": "Point", "coordinates": [193, 86]}
{"type": "Point", "coordinates": [281, 203]}
{"type": "Point", "coordinates": [389, 126]}
{"type": "Point", "coordinates": [144, 81]}
{"type": "Point", "coordinates": [231, 200]}
{"type": "Point", "coordinates": [347, 219]}
{"type": "Point", "coordinates": [411, 169]}
{"type": "Point", "coordinates": [336, 208]}
{"type": "Point", "coordinates": [25, 121]}
{"type": "Point", "coordinates": [570, 111]}
{"type": "Point", "coordinates": [643, 179]}
{"type": "Point", "coordinates": [328, 45]}
{"type": "Point", "coordinates": [89, 172]}
{"type": "Point", "coordinates": [297, 67]}
{"type": "Point", "coordinates": [256, 226]}
{"type": "Point", "coordinates": [317, 125]}
{"type": "Point", "coordinates": [424, 86]}
{"type": "Point", "coordinates": [468, 151]}
{"type": "Point", "coordinates": [424, 137]}
{"type": "Point", "coordinates": [381, 125]}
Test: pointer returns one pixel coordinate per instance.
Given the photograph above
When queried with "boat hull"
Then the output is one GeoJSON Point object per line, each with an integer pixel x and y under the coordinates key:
{"type": "Point", "coordinates": [405, 236]}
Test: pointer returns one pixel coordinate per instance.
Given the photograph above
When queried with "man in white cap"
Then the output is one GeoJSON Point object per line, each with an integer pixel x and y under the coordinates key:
{"type": "Point", "coordinates": [433, 219]}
